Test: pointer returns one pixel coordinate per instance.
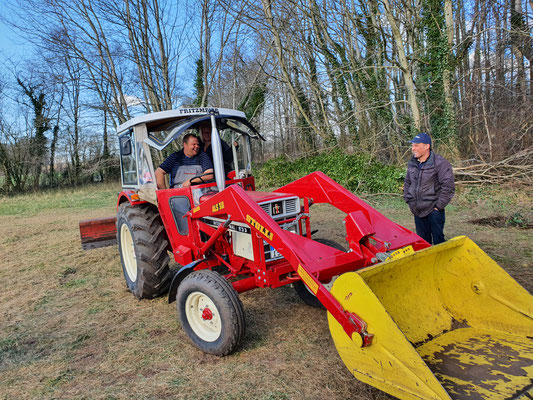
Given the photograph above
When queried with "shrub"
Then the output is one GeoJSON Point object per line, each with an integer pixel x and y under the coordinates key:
{"type": "Point", "coordinates": [356, 172]}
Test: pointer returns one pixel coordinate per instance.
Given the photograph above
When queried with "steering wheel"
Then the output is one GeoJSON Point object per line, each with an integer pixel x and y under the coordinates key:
{"type": "Point", "coordinates": [201, 177]}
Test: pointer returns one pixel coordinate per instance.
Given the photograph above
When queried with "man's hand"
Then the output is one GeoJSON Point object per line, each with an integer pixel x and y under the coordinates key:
{"type": "Point", "coordinates": [187, 183]}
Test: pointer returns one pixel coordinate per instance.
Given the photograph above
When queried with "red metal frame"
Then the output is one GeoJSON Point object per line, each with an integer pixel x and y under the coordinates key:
{"type": "Point", "coordinates": [368, 233]}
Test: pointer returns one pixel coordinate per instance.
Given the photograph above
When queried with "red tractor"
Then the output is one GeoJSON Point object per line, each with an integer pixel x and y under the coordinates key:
{"type": "Point", "coordinates": [387, 292]}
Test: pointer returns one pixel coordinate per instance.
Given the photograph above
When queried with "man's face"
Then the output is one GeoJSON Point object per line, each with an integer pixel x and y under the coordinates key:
{"type": "Point", "coordinates": [206, 133]}
{"type": "Point", "coordinates": [191, 147]}
{"type": "Point", "coordinates": [419, 150]}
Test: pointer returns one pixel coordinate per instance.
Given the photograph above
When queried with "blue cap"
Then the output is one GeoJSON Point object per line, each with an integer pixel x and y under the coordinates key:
{"type": "Point", "coordinates": [421, 138]}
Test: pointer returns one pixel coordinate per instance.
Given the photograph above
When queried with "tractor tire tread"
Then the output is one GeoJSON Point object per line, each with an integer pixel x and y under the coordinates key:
{"type": "Point", "coordinates": [151, 243]}
{"type": "Point", "coordinates": [236, 301]}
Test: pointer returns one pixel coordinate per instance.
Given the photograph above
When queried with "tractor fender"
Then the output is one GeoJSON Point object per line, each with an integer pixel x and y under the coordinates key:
{"type": "Point", "coordinates": [130, 196]}
{"type": "Point", "coordinates": [180, 276]}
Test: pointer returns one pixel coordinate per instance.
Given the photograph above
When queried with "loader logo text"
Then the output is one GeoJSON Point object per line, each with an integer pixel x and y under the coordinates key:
{"type": "Point", "coordinates": [218, 206]}
{"type": "Point", "coordinates": [264, 231]}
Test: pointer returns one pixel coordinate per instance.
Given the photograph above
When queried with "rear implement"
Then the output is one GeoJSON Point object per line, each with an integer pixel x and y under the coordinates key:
{"type": "Point", "coordinates": [100, 232]}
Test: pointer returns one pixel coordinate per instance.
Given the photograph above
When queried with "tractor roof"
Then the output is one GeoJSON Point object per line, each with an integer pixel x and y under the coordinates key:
{"type": "Point", "coordinates": [157, 121]}
{"type": "Point", "coordinates": [178, 121]}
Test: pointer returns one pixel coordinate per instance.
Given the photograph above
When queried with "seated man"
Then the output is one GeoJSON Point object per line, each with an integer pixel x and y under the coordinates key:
{"type": "Point", "coordinates": [184, 165]}
{"type": "Point", "coordinates": [227, 153]}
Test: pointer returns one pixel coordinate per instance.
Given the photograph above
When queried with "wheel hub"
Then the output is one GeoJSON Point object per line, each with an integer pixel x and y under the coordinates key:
{"type": "Point", "coordinates": [207, 315]}
{"type": "Point", "coordinates": [203, 316]}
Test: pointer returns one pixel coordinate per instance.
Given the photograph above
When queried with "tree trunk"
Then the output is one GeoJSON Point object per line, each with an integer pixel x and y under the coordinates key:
{"type": "Point", "coordinates": [404, 65]}
{"type": "Point", "coordinates": [448, 73]}
{"type": "Point", "coordinates": [267, 9]}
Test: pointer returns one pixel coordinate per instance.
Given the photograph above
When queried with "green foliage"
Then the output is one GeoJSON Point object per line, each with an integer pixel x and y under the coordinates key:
{"type": "Point", "coordinates": [356, 172]}
{"type": "Point", "coordinates": [199, 86]}
{"type": "Point", "coordinates": [253, 103]}
{"type": "Point", "coordinates": [517, 219]}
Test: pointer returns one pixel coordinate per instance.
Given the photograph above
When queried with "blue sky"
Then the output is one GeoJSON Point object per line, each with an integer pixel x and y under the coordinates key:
{"type": "Point", "coordinates": [12, 45]}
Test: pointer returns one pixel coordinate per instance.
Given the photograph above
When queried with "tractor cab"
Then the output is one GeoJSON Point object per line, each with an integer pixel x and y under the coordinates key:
{"type": "Point", "coordinates": [147, 140]}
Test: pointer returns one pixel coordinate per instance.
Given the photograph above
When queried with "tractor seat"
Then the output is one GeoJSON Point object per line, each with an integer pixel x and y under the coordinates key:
{"type": "Point", "coordinates": [207, 196]}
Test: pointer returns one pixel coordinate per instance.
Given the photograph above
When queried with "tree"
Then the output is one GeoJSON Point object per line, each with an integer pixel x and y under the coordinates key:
{"type": "Point", "coordinates": [199, 85]}
{"type": "Point", "coordinates": [130, 49]}
{"type": "Point", "coordinates": [41, 124]}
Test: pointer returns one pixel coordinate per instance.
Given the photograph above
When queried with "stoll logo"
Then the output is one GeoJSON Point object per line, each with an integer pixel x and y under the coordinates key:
{"type": "Point", "coordinates": [259, 227]}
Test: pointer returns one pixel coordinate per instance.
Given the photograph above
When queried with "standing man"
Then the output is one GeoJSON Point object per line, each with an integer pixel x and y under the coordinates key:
{"type": "Point", "coordinates": [184, 165]}
{"type": "Point", "coordinates": [428, 188]}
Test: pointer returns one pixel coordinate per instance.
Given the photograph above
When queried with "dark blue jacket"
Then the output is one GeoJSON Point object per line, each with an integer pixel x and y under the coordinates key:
{"type": "Point", "coordinates": [428, 185]}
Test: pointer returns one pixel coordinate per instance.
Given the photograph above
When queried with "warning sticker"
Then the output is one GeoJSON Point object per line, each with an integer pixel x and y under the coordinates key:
{"type": "Point", "coordinates": [309, 282]}
{"type": "Point", "coordinates": [401, 253]}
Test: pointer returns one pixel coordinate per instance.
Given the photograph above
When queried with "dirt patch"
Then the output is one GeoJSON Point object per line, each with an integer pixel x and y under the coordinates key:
{"type": "Point", "coordinates": [499, 221]}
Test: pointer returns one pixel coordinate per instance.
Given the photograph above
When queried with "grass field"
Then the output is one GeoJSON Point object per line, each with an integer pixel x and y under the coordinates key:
{"type": "Point", "coordinates": [69, 329]}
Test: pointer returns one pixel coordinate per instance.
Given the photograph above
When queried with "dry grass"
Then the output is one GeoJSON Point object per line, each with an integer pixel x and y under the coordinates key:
{"type": "Point", "coordinates": [69, 329]}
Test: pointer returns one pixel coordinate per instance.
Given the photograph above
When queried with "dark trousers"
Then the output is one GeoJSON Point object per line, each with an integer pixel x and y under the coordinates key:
{"type": "Point", "coordinates": [431, 228]}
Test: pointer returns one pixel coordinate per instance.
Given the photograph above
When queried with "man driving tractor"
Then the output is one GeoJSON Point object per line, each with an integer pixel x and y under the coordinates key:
{"type": "Point", "coordinates": [184, 165]}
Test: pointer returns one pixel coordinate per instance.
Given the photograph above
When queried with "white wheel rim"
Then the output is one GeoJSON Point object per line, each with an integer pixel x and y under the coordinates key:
{"type": "Point", "coordinates": [330, 283]}
{"type": "Point", "coordinates": [203, 316]}
{"type": "Point", "coordinates": [128, 252]}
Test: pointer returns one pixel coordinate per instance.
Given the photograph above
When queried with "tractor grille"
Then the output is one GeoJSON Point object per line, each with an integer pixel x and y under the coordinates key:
{"type": "Point", "coordinates": [266, 208]}
{"type": "Point", "coordinates": [291, 206]}
{"type": "Point", "coordinates": [282, 209]}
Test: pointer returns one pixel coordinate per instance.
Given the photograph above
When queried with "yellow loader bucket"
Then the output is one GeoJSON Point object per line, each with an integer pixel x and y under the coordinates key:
{"type": "Point", "coordinates": [448, 322]}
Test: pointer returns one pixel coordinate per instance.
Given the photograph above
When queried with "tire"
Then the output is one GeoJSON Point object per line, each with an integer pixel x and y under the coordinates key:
{"type": "Point", "coordinates": [305, 294]}
{"type": "Point", "coordinates": [210, 312]}
{"type": "Point", "coordinates": [143, 244]}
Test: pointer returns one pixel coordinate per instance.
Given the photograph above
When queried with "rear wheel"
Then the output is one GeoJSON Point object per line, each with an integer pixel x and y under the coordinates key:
{"type": "Point", "coordinates": [143, 244]}
{"type": "Point", "coordinates": [210, 312]}
{"type": "Point", "coordinates": [303, 291]}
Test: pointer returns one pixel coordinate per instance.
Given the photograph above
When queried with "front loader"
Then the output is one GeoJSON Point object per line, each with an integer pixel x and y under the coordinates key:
{"type": "Point", "coordinates": [416, 321]}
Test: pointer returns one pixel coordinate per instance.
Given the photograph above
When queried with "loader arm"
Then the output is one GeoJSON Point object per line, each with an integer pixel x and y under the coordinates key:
{"type": "Point", "coordinates": [322, 189]}
{"type": "Point", "coordinates": [417, 321]}
{"type": "Point", "coordinates": [307, 258]}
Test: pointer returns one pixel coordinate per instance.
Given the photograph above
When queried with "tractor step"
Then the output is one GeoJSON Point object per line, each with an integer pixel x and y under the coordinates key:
{"type": "Point", "coordinates": [99, 232]}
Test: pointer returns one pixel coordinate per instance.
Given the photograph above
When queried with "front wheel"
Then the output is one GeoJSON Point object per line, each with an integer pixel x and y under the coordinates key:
{"type": "Point", "coordinates": [210, 312]}
{"type": "Point", "coordinates": [303, 291]}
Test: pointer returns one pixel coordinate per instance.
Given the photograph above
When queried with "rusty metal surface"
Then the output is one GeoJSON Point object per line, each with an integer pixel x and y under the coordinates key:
{"type": "Point", "coordinates": [473, 364]}
{"type": "Point", "coordinates": [101, 243]}
{"type": "Point", "coordinates": [98, 232]}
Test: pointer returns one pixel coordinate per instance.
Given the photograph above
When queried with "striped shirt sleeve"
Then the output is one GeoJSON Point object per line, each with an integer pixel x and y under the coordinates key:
{"type": "Point", "coordinates": [205, 161]}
